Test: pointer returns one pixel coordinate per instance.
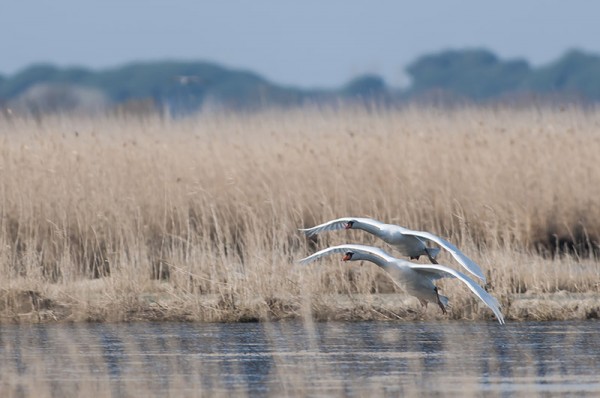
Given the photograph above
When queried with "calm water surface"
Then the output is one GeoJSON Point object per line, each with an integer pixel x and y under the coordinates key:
{"type": "Point", "coordinates": [301, 359]}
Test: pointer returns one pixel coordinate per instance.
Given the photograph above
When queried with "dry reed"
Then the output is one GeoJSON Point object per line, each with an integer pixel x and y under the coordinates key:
{"type": "Point", "coordinates": [196, 219]}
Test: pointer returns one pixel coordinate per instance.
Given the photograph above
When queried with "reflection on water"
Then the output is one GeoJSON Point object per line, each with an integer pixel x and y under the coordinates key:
{"type": "Point", "coordinates": [296, 358]}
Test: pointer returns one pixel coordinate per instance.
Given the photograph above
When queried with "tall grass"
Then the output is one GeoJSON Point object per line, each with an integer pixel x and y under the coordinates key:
{"type": "Point", "coordinates": [125, 218]}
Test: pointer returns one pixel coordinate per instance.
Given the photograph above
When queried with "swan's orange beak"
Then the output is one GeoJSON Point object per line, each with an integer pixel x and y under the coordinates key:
{"type": "Point", "coordinates": [347, 226]}
{"type": "Point", "coordinates": [346, 257]}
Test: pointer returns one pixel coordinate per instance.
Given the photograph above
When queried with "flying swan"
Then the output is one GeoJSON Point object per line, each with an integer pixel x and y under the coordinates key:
{"type": "Point", "coordinates": [416, 279]}
{"type": "Point", "coordinates": [408, 242]}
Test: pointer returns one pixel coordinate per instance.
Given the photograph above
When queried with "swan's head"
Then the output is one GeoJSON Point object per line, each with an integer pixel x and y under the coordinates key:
{"type": "Point", "coordinates": [349, 225]}
{"type": "Point", "coordinates": [348, 256]}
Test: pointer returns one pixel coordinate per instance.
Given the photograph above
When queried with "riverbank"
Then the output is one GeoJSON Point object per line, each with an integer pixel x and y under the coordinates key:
{"type": "Point", "coordinates": [25, 307]}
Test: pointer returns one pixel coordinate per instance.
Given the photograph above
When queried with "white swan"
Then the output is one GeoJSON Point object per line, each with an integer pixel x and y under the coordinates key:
{"type": "Point", "coordinates": [408, 242]}
{"type": "Point", "coordinates": [416, 279]}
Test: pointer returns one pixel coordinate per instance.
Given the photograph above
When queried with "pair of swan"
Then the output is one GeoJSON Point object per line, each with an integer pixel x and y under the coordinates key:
{"type": "Point", "coordinates": [417, 279]}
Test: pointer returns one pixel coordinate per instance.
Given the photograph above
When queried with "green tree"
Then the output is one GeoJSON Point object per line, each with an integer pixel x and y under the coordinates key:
{"type": "Point", "coordinates": [575, 72]}
{"type": "Point", "coordinates": [366, 87]}
{"type": "Point", "coordinates": [476, 74]}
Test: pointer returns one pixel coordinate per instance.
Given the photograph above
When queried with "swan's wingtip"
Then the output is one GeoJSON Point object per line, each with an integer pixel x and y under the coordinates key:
{"type": "Point", "coordinates": [307, 231]}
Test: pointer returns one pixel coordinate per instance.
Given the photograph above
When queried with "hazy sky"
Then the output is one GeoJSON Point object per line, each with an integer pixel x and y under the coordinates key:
{"type": "Point", "coordinates": [302, 43]}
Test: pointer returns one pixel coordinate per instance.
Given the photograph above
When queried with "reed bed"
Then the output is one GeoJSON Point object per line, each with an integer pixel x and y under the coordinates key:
{"type": "Point", "coordinates": [116, 218]}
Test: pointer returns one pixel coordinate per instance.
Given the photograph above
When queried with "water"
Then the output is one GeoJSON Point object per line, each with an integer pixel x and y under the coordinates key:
{"type": "Point", "coordinates": [301, 359]}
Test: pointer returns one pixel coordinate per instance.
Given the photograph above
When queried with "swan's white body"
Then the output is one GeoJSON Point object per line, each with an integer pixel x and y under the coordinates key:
{"type": "Point", "coordinates": [416, 279]}
{"type": "Point", "coordinates": [408, 242]}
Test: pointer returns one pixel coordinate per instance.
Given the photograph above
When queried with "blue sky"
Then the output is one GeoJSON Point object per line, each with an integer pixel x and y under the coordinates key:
{"type": "Point", "coordinates": [302, 43]}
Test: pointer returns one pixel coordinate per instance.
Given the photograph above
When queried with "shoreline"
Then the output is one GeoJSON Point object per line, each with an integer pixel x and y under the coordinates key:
{"type": "Point", "coordinates": [30, 307]}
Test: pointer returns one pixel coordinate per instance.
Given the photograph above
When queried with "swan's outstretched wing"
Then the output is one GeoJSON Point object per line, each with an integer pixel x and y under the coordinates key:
{"type": "Point", "coordinates": [459, 256]}
{"type": "Point", "coordinates": [340, 223]}
{"type": "Point", "coordinates": [442, 271]}
{"type": "Point", "coordinates": [346, 248]}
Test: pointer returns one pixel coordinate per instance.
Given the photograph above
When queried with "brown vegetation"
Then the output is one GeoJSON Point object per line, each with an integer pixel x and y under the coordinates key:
{"type": "Point", "coordinates": [151, 218]}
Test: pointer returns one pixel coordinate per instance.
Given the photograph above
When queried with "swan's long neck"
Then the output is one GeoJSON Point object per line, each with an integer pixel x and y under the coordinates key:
{"type": "Point", "coordinates": [358, 256]}
{"type": "Point", "coordinates": [366, 227]}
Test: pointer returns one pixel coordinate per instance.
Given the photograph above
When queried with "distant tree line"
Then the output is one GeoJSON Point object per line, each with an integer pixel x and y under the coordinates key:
{"type": "Point", "coordinates": [184, 87]}
{"type": "Point", "coordinates": [480, 75]}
